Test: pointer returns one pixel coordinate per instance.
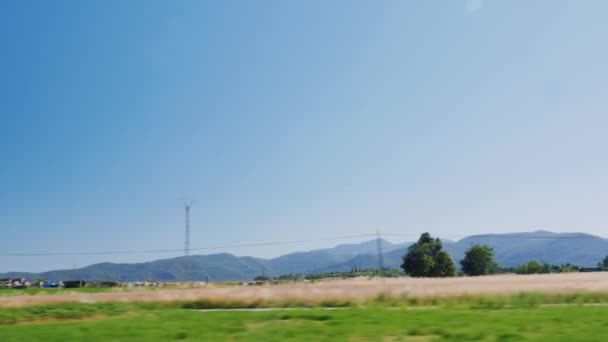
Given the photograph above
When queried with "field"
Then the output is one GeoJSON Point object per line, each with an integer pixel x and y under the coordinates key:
{"type": "Point", "coordinates": [470, 320]}
{"type": "Point", "coordinates": [40, 291]}
{"type": "Point", "coordinates": [335, 290]}
{"type": "Point", "coordinates": [572, 307]}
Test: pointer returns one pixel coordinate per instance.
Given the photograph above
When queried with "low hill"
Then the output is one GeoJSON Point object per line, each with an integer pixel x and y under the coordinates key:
{"type": "Point", "coordinates": [555, 248]}
{"type": "Point", "coordinates": [510, 249]}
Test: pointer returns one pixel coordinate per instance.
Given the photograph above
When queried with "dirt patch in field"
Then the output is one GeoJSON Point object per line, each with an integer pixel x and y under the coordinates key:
{"type": "Point", "coordinates": [335, 290]}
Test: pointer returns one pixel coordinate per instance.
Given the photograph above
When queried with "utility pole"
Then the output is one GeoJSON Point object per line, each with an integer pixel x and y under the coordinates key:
{"type": "Point", "coordinates": [187, 261]}
{"type": "Point", "coordinates": [379, 246]}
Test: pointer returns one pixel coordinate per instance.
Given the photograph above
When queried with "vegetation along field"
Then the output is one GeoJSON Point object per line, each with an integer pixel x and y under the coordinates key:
{"type": "Point", "coordinates": [334, 290]}
{"type": "Point", "coordinates": [529, 317]}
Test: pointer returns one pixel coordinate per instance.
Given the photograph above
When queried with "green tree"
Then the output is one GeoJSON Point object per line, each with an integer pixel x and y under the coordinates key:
{"type": "Point", "coordinates": [567, 268]}
{"type": "Point", "coordinates": [479, 260]}
{"type": "Point", "coordinates": [603, 264]}
{"type": "Point", "coordinates": [426, 258]}
{"type": "Point", "coordinates": [444, 265]}
{"type": "Point", "coordinates": [531, 267]}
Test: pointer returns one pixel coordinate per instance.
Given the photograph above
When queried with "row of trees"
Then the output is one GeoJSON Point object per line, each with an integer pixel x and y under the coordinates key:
{"type": "Point", "coordinates": [426, 258]}
{"type": "Point", "coordinates": [535, 267]}
{"type": "Point", "coordinates": [346, 274]}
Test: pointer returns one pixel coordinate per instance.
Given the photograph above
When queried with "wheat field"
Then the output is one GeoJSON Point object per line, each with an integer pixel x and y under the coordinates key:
{"type": "Point", "coordinates": [348, 290]}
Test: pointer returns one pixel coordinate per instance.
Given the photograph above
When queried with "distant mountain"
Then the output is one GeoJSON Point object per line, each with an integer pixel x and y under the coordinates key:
{"type": "Point", "coordinates": [343, 257]}
{"type": "Point", "coordinates": [510, 250]}
{"type": "Point", "coordinates": [555, 248]}
{"type": "Point", "coordinates": [214, 267]}
{"type": "Point", "coordinates": [367, 247]}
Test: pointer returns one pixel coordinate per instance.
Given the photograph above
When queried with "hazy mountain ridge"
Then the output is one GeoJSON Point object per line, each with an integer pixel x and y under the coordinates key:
{"type": "Point", "coordinates": [510, 250]}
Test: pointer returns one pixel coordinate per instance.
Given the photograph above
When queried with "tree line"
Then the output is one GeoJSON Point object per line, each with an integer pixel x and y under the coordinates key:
{"type": "Point", "coordinates": [426, 258]}
{"type": "Point", "coordinates": [354, 273]}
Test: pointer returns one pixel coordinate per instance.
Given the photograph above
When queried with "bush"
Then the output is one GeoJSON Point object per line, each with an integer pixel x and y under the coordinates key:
{"type": "Point", "coordinates": [479, 260]}
{"type": "Point", "coordinates": [426, 258]}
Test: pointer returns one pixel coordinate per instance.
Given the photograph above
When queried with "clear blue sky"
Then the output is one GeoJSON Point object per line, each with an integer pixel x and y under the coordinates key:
{"type": "Point", "coordinates": [296, 120]}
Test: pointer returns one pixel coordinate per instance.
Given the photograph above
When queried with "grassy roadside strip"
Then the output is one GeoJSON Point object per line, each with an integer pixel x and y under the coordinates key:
{"type": "Point", "coordinates": [78, 311]}
{"type": "Point", "coordinates": [521, 300]}
{"type": "Point", "coordinates": [370, 323]}
{"type": "Point", "coordinates": [32, 291]}
{"type": "Point", "coordinates": [71, 311]}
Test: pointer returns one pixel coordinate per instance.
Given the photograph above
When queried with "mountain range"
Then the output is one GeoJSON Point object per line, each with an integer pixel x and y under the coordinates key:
{"type": "Point", "coordinates": [510, 250]}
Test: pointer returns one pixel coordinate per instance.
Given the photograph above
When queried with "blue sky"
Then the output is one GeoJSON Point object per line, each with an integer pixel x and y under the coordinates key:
{"type": "Point", "coordinates": [295, 120]}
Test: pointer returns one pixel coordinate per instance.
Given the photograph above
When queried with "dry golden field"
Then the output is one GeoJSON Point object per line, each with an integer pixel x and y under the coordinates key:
{"type": "Point", "coordinates": [350, 289]}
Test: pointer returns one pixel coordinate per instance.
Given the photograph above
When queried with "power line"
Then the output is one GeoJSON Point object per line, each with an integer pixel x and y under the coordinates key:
{"type": "Point", "coordinates": [530, 237]}
{"type": "Point", "coordinates": [497, 236]}
{"type": "Point", "coordinates": [273, 243]}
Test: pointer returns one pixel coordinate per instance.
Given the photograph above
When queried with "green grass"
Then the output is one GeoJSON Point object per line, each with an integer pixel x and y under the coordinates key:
{"type": "Point", "coordinates": [529, 299]}
{"type": "Point", "coordinates": [44, 291]}
{"type": "Point", "coordinates": [38, 290]}
{"type": "Point", "coordinates": [10, 316]}
{"type": "Point", "coordinates": [352, 324]}
{"type": "Point", "coordinates": [525, 317]}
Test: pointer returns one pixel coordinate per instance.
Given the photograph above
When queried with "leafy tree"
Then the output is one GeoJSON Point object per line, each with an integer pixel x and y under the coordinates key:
{"type": "Point", "coordinates": [568, 268]}
{"type": "Point", "coordinates": [603, 264]}
{"type": "Point", "coordinates": [532, 267]}
{"type": "Point", "coordinates": [418, 262]}
{"type": "Point", "coordinates": [444, 265]}
{"type": "Point", "coordinates": [426, 258]}
{"type": "Point", "coordinates": [479, 260]}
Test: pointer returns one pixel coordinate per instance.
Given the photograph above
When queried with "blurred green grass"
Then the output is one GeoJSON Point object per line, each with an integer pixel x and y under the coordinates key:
{"type": "Point", "coordinates": [38, 291]}
{"type": "Point", "coordinates": [523, 317]}
{"type": "Point", "coordinates": [576, 323]}
{"type": "Point", "coordinates": [48, 291]}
